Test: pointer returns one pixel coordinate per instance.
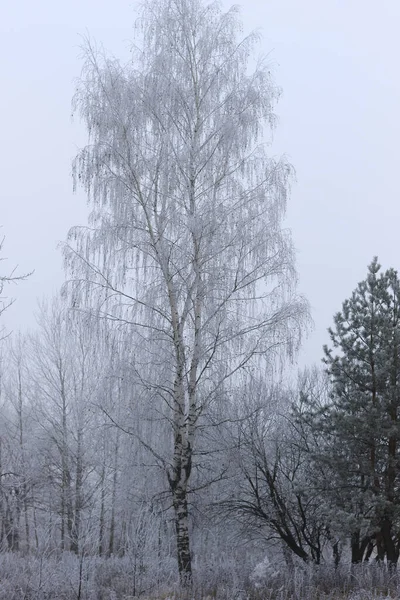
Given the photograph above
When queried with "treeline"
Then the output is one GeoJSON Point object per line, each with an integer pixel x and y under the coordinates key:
{"type": "Point", "coordinates": [85, 446]}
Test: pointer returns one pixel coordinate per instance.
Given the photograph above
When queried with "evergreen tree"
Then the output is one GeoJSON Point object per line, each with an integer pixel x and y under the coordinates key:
{"type": "Point", "coordinates": [361, 418]}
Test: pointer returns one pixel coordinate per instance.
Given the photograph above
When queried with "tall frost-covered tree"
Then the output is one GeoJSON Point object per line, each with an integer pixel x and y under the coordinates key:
{"type": "Point", "coordinates": [185, 242]}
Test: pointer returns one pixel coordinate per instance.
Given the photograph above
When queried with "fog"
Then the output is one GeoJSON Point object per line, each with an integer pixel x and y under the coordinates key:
{"type": "Point", "coordinates": [339, 124]}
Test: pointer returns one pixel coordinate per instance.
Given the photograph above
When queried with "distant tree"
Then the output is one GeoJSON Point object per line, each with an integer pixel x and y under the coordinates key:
{"type": "Point", "coordinates": [185, 242]}
{"type": "Point", "coordinates": [361, 419]}
{"type": "Point", "coordinates": [67, 364]}
{"type": "Point", "coordinates": [11, 277]}
{"type": "Point", "coordinates": [18, 439]}
{"type": "Point", "coordinates": [277, 487]}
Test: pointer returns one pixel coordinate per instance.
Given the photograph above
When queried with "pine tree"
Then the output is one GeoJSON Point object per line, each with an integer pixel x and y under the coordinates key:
{"type": "Point", "coordinates": [362, 416]}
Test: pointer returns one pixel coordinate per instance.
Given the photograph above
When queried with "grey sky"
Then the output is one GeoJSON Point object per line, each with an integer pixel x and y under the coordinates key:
{"type": "Point", "coordinates": [337, 62]}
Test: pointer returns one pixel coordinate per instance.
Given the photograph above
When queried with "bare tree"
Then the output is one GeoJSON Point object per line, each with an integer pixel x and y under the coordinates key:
{"type": "Point", "coordinates": [185, 243]}
{"type": "Point", "coordinates": [66, 359]}
{"type": "Point", "coordinates": [11, 277]}
{"type": "Point", "coordinates": [278, 486]}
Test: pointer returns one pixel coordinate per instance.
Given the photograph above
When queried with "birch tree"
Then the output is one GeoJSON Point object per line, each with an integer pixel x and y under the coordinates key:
{"type": "Point", "coordinates": [67, 359]}
{"type": "Point", "coordinates": [185, 243]}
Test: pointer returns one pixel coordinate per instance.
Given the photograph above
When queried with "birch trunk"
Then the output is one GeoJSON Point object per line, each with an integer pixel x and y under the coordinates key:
{"type": "Point", "coordinates": [114, 498]}
{"type": "Point", "coordinates": [23, 457]}
{"type": "Point", "coordinates": [102, 507]}
{"type": "Point", "coordinates": [78, 496]}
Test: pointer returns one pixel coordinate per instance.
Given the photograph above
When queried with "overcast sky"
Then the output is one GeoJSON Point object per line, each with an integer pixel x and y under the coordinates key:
{"type": "Point", "coordinates": [339, 123]}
